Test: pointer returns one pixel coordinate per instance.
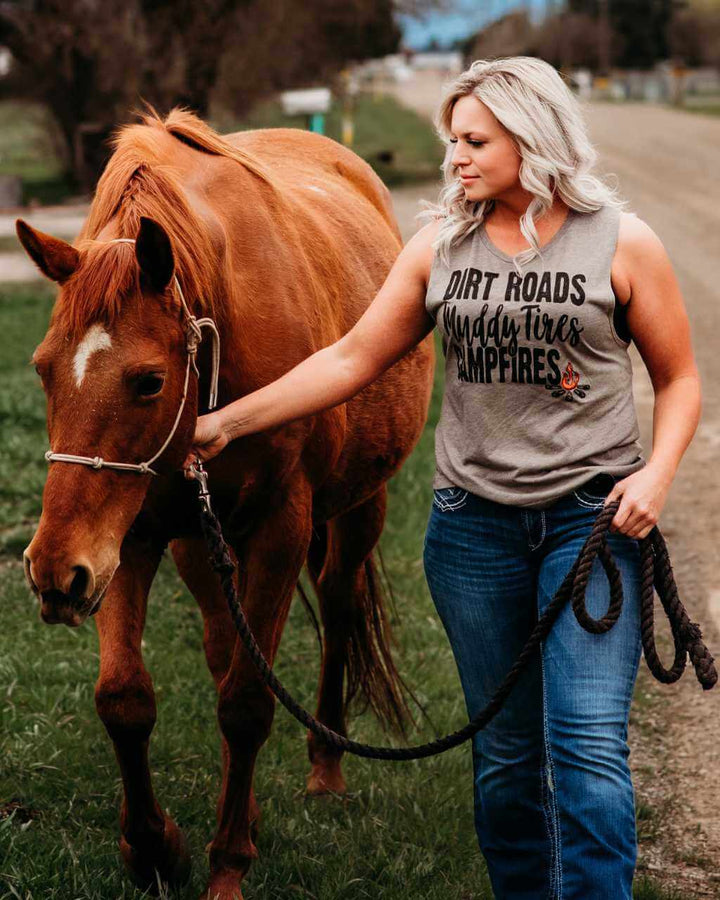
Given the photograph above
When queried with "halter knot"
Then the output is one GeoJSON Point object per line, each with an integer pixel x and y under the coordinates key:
{"type": "Point", "coordinates": [193, 335]}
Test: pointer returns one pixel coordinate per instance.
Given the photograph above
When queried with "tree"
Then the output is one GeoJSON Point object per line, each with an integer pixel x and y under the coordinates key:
{"type": "Point", "coordinates": [695, 36]}
{"type": "Point", "coordinates": [570, 40]}
{"type": "Point", "coordinates": [91, 61]}
{"type": "Point", "coordinates": [640, 28]}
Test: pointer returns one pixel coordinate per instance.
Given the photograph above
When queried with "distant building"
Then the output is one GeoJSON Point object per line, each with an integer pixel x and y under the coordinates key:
{"type": "Point", "coordinates": [450, 61]}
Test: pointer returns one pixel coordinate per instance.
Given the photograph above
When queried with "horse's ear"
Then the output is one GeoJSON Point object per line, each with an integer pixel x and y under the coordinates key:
{"type": "Point", "coordinates": [154, 254]}
{"type": "Point", "coordinates": [55, 258]}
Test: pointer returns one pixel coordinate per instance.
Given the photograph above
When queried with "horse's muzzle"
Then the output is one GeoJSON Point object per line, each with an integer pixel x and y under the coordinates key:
{"type": "Point", "coordinates": [67, 596]}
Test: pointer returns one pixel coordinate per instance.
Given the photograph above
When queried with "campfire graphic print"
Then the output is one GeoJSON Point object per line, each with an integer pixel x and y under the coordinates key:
{"type": "Point", "coordinates": [570, 386]}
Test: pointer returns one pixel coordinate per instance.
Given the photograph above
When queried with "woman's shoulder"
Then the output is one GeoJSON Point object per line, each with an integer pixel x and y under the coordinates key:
{"type": "Point", "coordinates": [638, 247]}
{"type": "Point", "coordinates": [639, 254]}
{"type": "Point", "coordinates": [635, 235]}
{"type": "Point", "coordinates": [418, 254]}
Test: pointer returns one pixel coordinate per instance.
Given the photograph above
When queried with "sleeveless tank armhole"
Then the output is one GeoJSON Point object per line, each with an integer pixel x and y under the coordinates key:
{"type": "Point", "coordinates": [434, 263]}
{"type": "Point", "coordinates": [620, 321]}
{"type": "Point", "coordinates": [618, 315]}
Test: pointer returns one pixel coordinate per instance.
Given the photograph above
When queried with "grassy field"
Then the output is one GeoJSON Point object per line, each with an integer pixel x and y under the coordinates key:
{"type": "Point", "coordinates": [405, 830]}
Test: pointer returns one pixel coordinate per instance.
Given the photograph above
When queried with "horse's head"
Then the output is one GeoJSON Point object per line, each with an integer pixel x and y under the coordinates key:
{"type": "Point", "coordinates": [113, 366]}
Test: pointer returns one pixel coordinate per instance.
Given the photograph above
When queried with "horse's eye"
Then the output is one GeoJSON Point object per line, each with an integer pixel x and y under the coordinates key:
{"type": "Point", "coordinates": [42, 372]}
{"type": "Point", "coordinates": [149, 385]}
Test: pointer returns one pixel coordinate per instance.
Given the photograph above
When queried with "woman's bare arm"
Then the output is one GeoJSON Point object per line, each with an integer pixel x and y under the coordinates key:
{"type": "Point", "coordinates": [390, 327]}
{"type": "Point", "coordinates": [660, 328]}
{"type": "Point", "coordinates": [659, 324]}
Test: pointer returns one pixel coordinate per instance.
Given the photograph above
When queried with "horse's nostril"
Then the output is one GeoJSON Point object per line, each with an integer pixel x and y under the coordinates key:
{"type": "Point", "coordinates": [79, 584]}
{"type": "Point", "coordinates": [53, 597]}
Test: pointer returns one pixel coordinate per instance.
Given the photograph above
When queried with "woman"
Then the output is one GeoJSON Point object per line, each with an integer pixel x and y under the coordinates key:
{"type": "Point", "coordinates": [538, 282]}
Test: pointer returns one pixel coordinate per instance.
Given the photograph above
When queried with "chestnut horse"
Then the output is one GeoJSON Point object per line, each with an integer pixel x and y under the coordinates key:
{"type": "Point", "coordinates": [283, 237]}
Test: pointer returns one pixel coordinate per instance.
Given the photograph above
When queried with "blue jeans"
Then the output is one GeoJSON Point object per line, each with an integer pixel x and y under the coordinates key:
{"type": "Point", "coordinates": [554, 802]}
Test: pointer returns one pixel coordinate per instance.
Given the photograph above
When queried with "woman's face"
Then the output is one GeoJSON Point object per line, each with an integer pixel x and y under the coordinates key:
{"type": "Point", "coordinates": [487, 161]}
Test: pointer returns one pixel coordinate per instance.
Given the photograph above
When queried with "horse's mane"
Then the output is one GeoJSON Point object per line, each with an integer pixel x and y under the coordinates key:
{"type": "Point", "coordinates": [138, 181]}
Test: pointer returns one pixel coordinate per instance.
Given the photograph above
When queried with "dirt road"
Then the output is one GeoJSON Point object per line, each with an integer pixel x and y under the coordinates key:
{"type": "Point", "coordinates": [665, 161]}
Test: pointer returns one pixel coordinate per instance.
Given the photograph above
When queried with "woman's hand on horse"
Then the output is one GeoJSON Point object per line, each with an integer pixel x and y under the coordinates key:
{"type": "Point", "coordinates": [642, 496]}
{"type": "Point", "coordinates": [209, 440]}
{"type": "Point", "coordinates": [392, 325]}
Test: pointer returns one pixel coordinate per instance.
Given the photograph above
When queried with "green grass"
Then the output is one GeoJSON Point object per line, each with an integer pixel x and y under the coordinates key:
{"type": "Point", "coordinates": [707, 109]}
{"type": "Point", "coordinates": [645, 888]}
{"type": "Point", "coordinates": [404, 830]}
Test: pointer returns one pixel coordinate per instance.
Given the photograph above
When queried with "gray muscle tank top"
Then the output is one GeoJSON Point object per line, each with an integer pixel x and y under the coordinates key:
{"type": "Point", "coordinates": [538, 381]}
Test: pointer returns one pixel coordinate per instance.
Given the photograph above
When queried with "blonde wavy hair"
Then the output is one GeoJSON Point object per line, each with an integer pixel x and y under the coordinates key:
{"type": "Point", "coordinates": [531, 101]}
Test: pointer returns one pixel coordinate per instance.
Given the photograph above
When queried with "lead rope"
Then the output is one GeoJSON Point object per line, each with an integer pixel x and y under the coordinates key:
{"type": "Point", "coordinates": [656, 569]}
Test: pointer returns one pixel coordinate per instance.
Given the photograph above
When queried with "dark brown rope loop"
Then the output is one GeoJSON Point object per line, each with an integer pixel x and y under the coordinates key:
{"type": "Point", "coordinates": [655, 571]}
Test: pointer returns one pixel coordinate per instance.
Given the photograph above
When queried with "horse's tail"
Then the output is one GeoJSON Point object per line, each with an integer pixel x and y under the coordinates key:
{"type": "Point", "coordinates": [370, 666]}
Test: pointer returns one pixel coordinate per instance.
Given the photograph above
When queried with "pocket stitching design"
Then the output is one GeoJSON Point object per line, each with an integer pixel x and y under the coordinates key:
{"type": "Point", "coordinates": [582, 498]}
{"type": "Point", "coordinates": [451, 502]}
{"type": "Point", "coordinates": [588, 499]}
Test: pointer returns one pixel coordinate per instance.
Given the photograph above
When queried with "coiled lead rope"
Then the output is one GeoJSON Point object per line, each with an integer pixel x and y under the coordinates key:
{"type": "Point", "coordinates": [656, 570]}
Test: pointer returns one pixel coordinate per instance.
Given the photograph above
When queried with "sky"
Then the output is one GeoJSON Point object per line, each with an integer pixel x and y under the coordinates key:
{"type": "Point", "coordinates": [470, 16]}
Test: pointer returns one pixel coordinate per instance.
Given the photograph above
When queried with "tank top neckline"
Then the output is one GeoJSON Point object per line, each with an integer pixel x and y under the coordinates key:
{"type": "Point", "coordinates": [553, 240]}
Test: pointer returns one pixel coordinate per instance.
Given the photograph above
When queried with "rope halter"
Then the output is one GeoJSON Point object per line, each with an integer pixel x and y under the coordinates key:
{"type": "Point", "coordinates": [193, 337]}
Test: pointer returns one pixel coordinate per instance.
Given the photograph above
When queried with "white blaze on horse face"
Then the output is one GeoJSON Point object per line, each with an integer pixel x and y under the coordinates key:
{"type": "Point", "coordinates": [96, 338]}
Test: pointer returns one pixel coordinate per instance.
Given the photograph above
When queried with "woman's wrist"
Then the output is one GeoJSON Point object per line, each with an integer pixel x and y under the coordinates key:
{"type": "Point", "coordinates": [228, 422]}
{"type": "Point", "coordinates": [664, 468]}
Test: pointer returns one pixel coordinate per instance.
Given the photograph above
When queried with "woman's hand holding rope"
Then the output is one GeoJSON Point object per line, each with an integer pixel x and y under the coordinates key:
{"type": "Point", "coordinates": [642, 496]}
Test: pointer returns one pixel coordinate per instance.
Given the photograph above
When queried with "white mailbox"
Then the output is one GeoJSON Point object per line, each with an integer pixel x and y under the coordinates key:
{"type": "Point", "coordinates": [308, 102]}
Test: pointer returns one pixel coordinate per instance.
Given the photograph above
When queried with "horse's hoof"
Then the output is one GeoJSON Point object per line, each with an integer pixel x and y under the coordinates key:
{"type": "Point", "coordinates": [169, 862]}
{"type": "Point", "coordinates": [326, 779]}
{"type": "Point", "coordinates": [224, 886]}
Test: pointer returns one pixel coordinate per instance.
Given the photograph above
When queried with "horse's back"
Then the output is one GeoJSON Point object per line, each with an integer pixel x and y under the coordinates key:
{"type": "Point", "coordinates": [304, 161]}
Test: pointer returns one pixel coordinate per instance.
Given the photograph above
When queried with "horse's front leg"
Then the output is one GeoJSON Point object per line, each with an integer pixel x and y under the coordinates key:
{"type": "Point", "coordinates": [191, 559]}
{"type": "Point", "coordinates": [272, 559]}
{"type": "Point", "coordinates": [125, 702]}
